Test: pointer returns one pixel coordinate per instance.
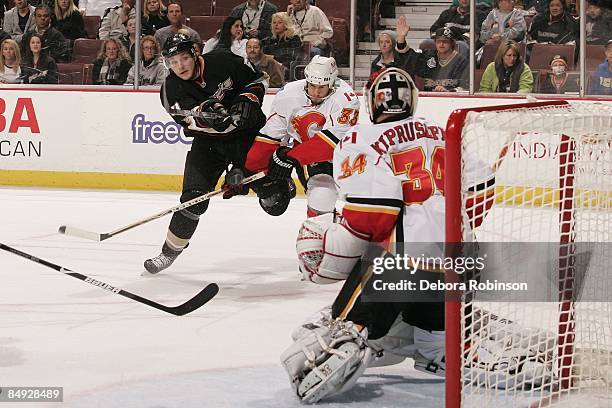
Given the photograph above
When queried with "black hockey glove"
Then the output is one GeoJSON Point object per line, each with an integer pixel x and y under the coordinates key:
{"type": "Point", "coordinates": [247, 115]}
{"type": "Point", "coordinates": [280, 165]}
{"type": "Point", "coordinates": [274, 195]}
{"type": "Point", "coordinates": [232, 185]}
{"type": "Point", "coordinates": [220, 119]}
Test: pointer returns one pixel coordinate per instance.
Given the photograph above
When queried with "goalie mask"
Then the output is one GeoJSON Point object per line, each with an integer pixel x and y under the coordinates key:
{"type": "Point", "coordinates": [391, 92]}
{"type": "Point", "coordinates": [321, 71]}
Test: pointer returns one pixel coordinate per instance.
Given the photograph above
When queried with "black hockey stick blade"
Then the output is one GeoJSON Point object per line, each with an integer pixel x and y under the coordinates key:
{"type": "Point", "coordinates": [96, 236]}
{"type": "Point", "coordinates": [204, 296]}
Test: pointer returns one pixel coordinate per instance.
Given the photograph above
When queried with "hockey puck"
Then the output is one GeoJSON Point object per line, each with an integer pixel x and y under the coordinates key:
{"type": "Point", "coordinates": [62, 229]}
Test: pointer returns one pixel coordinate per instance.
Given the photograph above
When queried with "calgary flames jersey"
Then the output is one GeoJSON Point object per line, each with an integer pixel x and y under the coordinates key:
{"type": "Point", "coordinates": [391, 176]}
{"type": "Point", "coordinates": [314, 129]}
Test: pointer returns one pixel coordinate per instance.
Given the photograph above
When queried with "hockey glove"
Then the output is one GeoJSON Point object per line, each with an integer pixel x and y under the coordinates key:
{"type": "Point", "coordinates": [247, 115]}
{"type": "Point", "coordinates": [232, 185]}
{"type": "Point", "coordinates": [280, 165]}
{"type": "Point", "coordinates": [221, 122]}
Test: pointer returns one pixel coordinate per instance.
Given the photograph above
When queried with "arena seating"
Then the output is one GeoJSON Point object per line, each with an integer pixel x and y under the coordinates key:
{"type": "Point", "coordinates": [74, 73]}
{"type": "Point", "coordinates": [92, 25]}
{"type": "Point", "coordinates": [86, 50]}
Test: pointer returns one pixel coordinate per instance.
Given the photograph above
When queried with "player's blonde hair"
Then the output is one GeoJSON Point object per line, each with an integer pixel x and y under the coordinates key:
{"type": "Point", "coordinates": [290, 28]}
{"type": "Point", "coordinates": [15, 48]}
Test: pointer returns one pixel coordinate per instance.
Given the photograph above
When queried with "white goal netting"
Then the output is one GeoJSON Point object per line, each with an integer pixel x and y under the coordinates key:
{"type": "Point", "coordinates": [553, 184]}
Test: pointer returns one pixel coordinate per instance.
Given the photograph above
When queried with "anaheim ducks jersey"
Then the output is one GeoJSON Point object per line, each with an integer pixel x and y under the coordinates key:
{"type": "Point", "coordinates": [391, 176]}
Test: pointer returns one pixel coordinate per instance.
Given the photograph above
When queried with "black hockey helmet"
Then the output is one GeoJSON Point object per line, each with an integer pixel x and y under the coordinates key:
{"type": "Point", "coordinates": [177, 43]}
{"type": "Point", "coordinates": [393, 92]}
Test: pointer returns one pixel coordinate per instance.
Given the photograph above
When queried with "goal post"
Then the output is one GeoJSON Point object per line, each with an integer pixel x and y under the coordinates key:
{"type": "Point", "coordinates": [552, 168]}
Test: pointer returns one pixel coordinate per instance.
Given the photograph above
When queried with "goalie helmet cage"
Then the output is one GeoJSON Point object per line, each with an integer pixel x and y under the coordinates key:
{"type": "Point", "coordinates": [552, 163]}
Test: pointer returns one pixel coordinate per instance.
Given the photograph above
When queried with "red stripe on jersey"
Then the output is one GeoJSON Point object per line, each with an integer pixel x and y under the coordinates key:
{"type": "Point", "coordinates": [315, 150]}
{"type": "Point", "coordinates": [259, 155]}
{"type": "Point", "coordinates": [378, 226]}
{"type": "Point", "coordinates": [251, 96]}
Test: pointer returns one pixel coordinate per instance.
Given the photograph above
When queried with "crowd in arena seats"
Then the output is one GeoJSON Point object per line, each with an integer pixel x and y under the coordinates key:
{"type": "Point", "coordinates": [517, 49]}
{"type": "Point", "coordinates": [515, 40]}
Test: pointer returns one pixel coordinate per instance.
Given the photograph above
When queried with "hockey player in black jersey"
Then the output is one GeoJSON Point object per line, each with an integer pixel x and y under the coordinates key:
{"type": "Point", "coordinates": [220, 84]}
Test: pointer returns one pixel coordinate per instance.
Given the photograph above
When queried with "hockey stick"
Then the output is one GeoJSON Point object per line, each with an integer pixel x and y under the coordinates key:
{"type": "Point", "coordinates": [192, 304]}
{"type": "Point", "coordinates": [196, 114]}
{"type": "Point", "coordinates": [96, 236]}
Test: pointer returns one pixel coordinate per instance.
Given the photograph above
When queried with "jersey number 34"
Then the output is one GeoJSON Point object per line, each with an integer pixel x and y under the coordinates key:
{"type": "Point", "coordinates": [422, 182]}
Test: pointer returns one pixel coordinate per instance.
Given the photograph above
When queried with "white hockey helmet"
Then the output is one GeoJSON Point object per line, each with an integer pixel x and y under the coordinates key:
{"type": "Point", "coordinates": [321, 71]}
{"type": "Point", "coordinates": [391, 91]}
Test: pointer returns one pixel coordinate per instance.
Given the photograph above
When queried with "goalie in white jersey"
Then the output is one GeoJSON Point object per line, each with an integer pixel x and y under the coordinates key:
{"type": "Point", "coordinates": [390, 173]}
{"type": "Point", "coordinates": [310, 115]}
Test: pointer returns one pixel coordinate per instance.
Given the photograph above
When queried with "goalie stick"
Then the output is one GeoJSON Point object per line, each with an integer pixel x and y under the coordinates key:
{"type": "Point", "coordinates": [96, 236]}
{"type": "Point", "coordinates": [205, 295]}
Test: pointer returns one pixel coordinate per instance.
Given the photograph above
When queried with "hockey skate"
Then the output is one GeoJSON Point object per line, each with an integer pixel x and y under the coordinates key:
{"type": "Point", "coordinates": [161, 261]}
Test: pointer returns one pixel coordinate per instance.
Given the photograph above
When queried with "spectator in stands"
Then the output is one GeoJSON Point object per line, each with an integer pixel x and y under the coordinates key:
{"type": "Point", "coordinates": [152, 69]}
{"type": "Point", "coordinates": [128, 40]}
{"type": "Point", "coordinates": [598, 22]}
{"type": "Point", "coordinates": [389, 56]}
{"type": "Point", "coordinates": [458, 17]}
{"type": "Point", "coordinates": [230, 37]}
{"type": "Point", "coordinates": [284, 43]}
{"type": "Point", "coordinates": [558, 80]}
{"type": "Point", "coordinates": [53, 40]}
{"type": "Point", "coordinates": [19, 20]}
{"type": "Point", "coordinates": [410, 59]}
{"type": "Point", "coordinates": [265, 63]}
{"type": "Point", "coordinates": [38, 67]}
{"type": "Point", "coordinates": [508, 72]}
{"type": "Point", "coordinates": [557, 26]}
{"type": "Point", "coordinates": [503, 23]}
{"type": "Point", "coordinates": [114, 21]}
{"type": "Point", "coordinates": [10, 60]}
{"type": "Point", "coordinates": [112, 65]}
{"type": "Point", "coordinates": [444, 69]}
{"type": "Point", "coordinates": [154, 17]}
{"type": "Point", "coordinates": [256, 17]}
{"type": "Point", "coordinates": [175, 16]}
{"type": "Point", "coordinates": [314, 26]}
{"type": "Point", "coordinates": [68, 20]}
{"type": "Point", "coordinates": [601, 81]}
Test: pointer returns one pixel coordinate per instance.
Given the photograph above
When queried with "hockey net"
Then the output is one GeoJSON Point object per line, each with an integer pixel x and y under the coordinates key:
{"type": "Point", "coordinates": [552, 163]}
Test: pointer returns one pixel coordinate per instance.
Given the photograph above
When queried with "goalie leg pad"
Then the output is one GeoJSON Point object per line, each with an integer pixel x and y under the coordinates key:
{"type": "Point", "coordinates": [335, 375]}
{"type": "Point", "coordinates": [321, 193]}
{"type": "Point", "coordinates": [325, 359]}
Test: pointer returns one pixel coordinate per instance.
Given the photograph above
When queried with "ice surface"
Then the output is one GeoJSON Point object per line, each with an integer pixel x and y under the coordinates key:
{"type": "Point", "coordinates": [108, 351]}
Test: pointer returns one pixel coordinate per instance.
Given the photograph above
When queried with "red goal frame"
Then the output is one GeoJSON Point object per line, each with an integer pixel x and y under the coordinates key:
{"type": "Point", "coordinates": [452, 189]}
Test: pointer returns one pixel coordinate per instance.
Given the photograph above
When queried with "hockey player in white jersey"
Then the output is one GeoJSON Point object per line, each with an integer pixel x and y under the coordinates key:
{"type": "Point", "coordinates": [308, 118]}
{"type": "Point", "coordinates": [390, 173]}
